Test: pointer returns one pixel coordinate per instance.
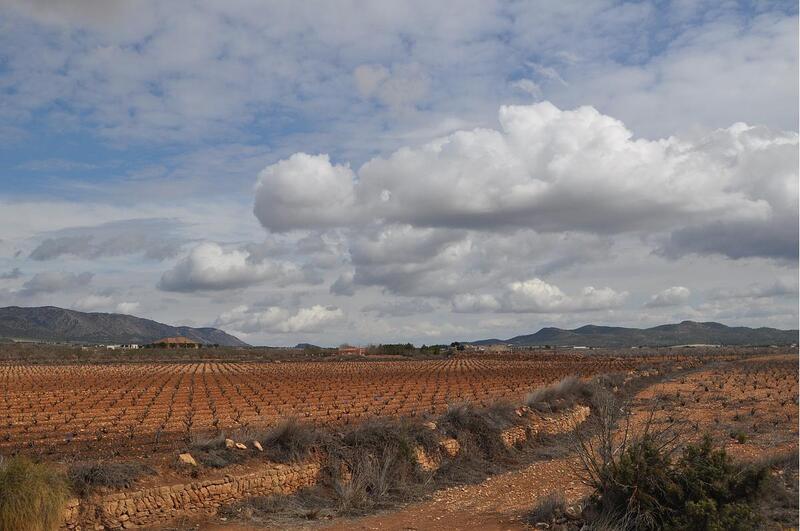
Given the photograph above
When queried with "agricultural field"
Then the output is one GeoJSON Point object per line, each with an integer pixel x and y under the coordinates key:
{"type": "Point", "coordinates": [94, 409]}
{"type": "Point", "coordinates": [117, 429]}
{"type": "Point", "coordinates": [749, 405]}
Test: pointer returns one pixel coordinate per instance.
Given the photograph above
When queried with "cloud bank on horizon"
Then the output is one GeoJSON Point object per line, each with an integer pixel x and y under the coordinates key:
{"type": "Point", "coordinates": [353, 174]}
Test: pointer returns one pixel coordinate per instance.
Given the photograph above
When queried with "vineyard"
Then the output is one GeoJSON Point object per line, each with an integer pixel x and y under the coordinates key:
{"type": "Point", "coordinates": [753, 402]}
{"type": "Point", "coordinates": [75, 409]}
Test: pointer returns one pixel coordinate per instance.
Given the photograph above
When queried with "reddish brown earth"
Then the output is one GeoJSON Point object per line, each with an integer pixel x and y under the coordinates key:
{"type": "Point", "coordinates": [767, 385]}
{"type": "Point", "coordinates": [750, 406]}
{"type": "Point", "coordinates": [499, 503]}
{"type": "Point", "coordinates": [108, 410]}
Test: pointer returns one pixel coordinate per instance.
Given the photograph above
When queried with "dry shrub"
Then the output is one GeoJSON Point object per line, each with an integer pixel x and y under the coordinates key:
{"type": "Point", "coordinates": [478, 429]}
{"type": "Point", "coordinates": [211, 451]}
{"type": "Point", "coordinates": [85, 477]}
{"type": "Point", "coordinates": [372, 482]}
{"type": "Point", "coordinates": [288, 441]}
{"type": "Point", "coordinates": [563, 395]}
{"type": "Point", "coordinates": [32, 495]}
{"type": "Point", "coordinates": [654, 479]}
{"type": "Point", "coordinates": [548, 508]}
{"type": "Point", "coordinates": [307, 504]}
{"type": "Point", "coordinates": [374, 464]}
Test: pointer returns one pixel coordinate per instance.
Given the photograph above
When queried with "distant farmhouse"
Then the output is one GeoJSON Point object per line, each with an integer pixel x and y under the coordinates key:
{"type": "Point", "coordinates": [174, 342]}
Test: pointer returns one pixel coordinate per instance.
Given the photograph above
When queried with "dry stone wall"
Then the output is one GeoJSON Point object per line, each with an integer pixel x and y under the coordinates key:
{"type": "Point", "coordinates": [148, 507]}
{"type": "Point", "coordinates": [157, 505]}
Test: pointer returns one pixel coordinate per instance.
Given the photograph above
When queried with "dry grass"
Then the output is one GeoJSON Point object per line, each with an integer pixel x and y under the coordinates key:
{"type": "Point", "coordinates": [548, 508]}
{"type": "Point", "coordinates": [85, 477]}
{"type": "Point", "coordinates": [32, 495]}
{"type": "Point", "coordinates": [287, 441]}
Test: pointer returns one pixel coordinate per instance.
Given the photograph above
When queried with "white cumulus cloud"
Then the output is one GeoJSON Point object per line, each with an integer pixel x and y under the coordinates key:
{"type": "Point", "coordinates": [552, 170]}
{"type": "Point", "coordinates": [275, 319]}
{"type": "Point", "coordinates": [208, 266]}
{"type": "Point", "coordinates": [674, 296]}
{"type": "Point", "coordinates": [537, 296]}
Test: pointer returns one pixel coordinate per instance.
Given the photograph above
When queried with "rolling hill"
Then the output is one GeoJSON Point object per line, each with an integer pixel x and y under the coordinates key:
{"type": "Point", "coordinates": [48, 323]}
{"type": "Point", "coordinates": [684, 333]}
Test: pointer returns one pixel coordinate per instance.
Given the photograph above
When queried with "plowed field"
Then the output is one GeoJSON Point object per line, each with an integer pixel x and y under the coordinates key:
{"type": "Point", "coordinates": [75, 409]}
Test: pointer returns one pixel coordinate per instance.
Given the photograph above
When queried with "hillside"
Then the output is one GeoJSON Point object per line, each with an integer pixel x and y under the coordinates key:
{"type": "Point", "coordinates": [48, 323]}
{"type": "Point", "coordinates": [684, 333]}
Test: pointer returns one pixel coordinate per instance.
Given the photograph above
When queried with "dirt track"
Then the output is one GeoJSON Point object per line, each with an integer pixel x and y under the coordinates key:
{"type": "Point", "coordinates": [499, 503]}
{"type": "Point", "coordinates": [502, 502]}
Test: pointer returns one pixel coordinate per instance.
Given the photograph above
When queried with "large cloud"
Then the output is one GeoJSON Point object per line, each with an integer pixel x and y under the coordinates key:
{"type": "Point", "coordinates": [210, 267]}
{"type": "Point", "coordinates": [410, 261]}
{"type": "Point", "coordinates": [551, 170]}
{"type": "Point", "coordinates": [275, 319]}
{"type": "Point", "coordinates": [304, 191]}
{"type": "Point", "coordinates": [669, 297]}
{"type": "Point", "coordinates": [537, 296]}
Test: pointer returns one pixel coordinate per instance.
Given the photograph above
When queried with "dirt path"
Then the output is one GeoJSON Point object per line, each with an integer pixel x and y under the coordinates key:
{"type": "Point", "coordinates": [499, 503]}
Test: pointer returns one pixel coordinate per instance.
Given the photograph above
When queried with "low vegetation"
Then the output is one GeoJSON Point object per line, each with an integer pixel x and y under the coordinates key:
{"type": "Point", "coordinates": [560, 395]}
{"type": "Point", "coordinates": [86, 477]}
{"type": "Point", "coordinates": [32, 495]}
{"type": "Point", "coordinates": [549, 508]}
{"type": "Point", "coordinates": [212, 452]}
{"type": "Point", "coordinates": [289, 440]}
{"type": "Point", "coordinates": [374, 465]}
{"type": "Point", "coordinates": [661, 478]}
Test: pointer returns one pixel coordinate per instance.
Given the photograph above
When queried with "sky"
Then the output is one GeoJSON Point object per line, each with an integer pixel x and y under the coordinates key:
{"type": "Point", "coordinates": [365, 172]}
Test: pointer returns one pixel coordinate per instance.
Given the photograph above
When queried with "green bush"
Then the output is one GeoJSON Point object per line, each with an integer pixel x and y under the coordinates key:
{"type": "Point", "coordinates": [32, 495]}
{"type": "Point", "coordinates": [702, 489]}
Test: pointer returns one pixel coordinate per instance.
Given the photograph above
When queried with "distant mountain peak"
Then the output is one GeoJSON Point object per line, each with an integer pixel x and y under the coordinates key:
{"type": "Point", "coordinates": [50, 323]}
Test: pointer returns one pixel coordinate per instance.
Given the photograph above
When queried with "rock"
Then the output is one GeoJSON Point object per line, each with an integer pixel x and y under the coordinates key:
{"type": "Point", "coordinates": [258, 446]}
{"type": "Point", "coordinates": [241, 446]}
{"type": "Point", "coordinates": [430, 425]}
{"type": "Point", "coordinates": [229, 443]}
{"type": "Point", "coordinates": [187, 459]}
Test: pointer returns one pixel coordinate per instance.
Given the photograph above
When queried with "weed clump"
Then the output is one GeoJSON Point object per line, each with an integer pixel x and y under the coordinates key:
{"type": "Point", "coordinates": [564, 394]}
{"type": "Point", "coordinates": [32, 495]}
{"type": "Point", "coordinates": [550, 507]}
{"type": "Point", "coordinates": [212, 452]}
{"type": "Point", "coordinates": [85, 477]}
{"type": "Point", "coordinates": [289, 441]}
{"type": "Point", "coordinates": [374, 464]}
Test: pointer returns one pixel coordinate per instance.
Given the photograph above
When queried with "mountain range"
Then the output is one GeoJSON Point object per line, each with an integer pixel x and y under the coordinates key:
{"type": "Point", "coordinates": [49, 323]}
{"type": "Point", "coordinates": [684, 333]}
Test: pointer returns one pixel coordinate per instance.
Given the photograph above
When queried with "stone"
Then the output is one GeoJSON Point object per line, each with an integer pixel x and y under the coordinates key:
{"type": "Point", "coordinates": [241, 446]}
{"type": "Point", "coordinates": [258, 446]}
{"type": "Point", "coordinates": [187, 459]}
{"type": "Point", "coordinates": [229, 443]}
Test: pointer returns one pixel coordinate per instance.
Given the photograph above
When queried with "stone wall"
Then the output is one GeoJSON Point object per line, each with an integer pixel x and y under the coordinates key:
{"type": "Point", "coordinates": [155, 505]}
